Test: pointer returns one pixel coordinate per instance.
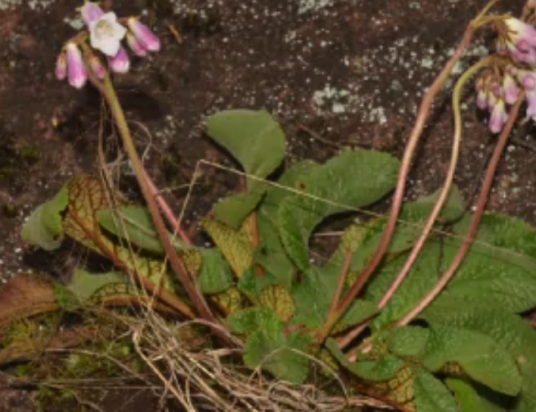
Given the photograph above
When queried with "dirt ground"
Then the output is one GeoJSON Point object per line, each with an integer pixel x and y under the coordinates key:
{"type": "Point", "coordinates": [336, 73]}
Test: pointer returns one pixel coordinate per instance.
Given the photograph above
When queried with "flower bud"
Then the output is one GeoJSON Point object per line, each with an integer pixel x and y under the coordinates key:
{"type": "Point", "coordinates": [144, 35]}
{"type": "Point", "coordinates": [498, 117]}
{"type": "Point", "coordinates": [135, 46]}
{"type": "Point", "coordinates": [76, 70]}
{"type": "Point", "coordinates": [120, 63]}
{"type": "Point", "coordinates": [511, 91]}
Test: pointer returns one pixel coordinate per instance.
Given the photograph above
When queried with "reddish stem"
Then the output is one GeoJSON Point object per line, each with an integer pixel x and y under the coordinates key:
{"type": "Point", "coordinates": [469, 237]}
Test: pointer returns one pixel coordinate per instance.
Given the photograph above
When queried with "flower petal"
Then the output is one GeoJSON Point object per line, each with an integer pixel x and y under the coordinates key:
{"type": "Point", "coordinates": [498, 117]}
{"type": "Point", "coordinates": [106, 34]}
{"type": "Point", "coordinates": [91, 12]}
{"type": "Point", "coordinates": [135, 45]}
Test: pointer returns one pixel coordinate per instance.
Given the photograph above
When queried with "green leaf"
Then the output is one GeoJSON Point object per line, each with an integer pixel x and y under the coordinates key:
{"type": "Point", "coordinates": [419, 281]}
{"type": "Point", "coordinates": [478, 355]}
{"type": "Point", "coordinates": [279, 300]}
{"type": "Point", "coordinates": [408, 341]}
{"type": "Point", "coordinates": [500, 276]}
{"type": "Point", "coordinates": [431, 395]}
{"type": "Point", "coordinates": [376, 370]}
{"type": "Point", "coordinates": [280, 353]}
{"type": "Point", "coordinates": [469, 399]}
{"type": "Point", "coordinates": [234, 245]}
{"type": "Point", "coordinates": [44, 228]}
{"type": "Point", "coordinates": [359, 311]}
{"type": "Point", "coordinates": [508, 331]}
{"type": "Point", "coordinates": [257, 141]}
{"type": "Point", "coordinates": [134, 224]}
{"type": "Point", "coordinates": [249, 320]}
{"type": "Point", "coordinates": [233, 210]}
{"type": "Point", "coordinates": [85, 285]}
{"type": "Point", "coordinates": [351, 180]}
{"type": "Point", "coordinates": [215, 275]}
{"type": "Point", "coordinates": [253, 138]}
{"type": "Point", "coordinates": [420, 209]}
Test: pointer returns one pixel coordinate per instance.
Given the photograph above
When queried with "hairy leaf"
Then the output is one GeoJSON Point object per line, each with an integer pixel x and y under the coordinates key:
{"type": "Point", "coordinates": [44, 227]}
{"type": "Point", "coordinates": [234, 245]}
{"type": "Point", "coordinates": [279, 300]}
{"type": "Point", "coordinates": [383, 368]}
{"type": "Point", "coordinates": [233, 210]}
{"type": "Point", "coordinates": [249, 320]}
{"type": "Point", "coordinates": [431, 395]}
{"type": "Point", "coordinates": [408, 341]}
{"type": "Point", "coordinates": [329, 190]}
{"type": "Point", "coordinates": [215, 275]}
{"type": "Point", "coordinates": [280, 353]}
{"type": "Point", "coordinates": [479, 356]}
{"type": "Point", "coordinates": [469, 399]}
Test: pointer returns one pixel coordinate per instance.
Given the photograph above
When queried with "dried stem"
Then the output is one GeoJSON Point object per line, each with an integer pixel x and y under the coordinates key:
{"type": "Point", "coordinates": [475, 221]}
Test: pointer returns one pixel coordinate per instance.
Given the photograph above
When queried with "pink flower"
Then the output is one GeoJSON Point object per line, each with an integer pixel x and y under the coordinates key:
{"type": "Point", "coordinates": [482, 100]}
{"type": "Point", "coordinates": [144, 35]}
{"type": "Point", "coordinates": [498, 117]}
{"type": "Point", "coordinates": [135, 46]}
{"type": "Point", "coordinates": [76, 69]}
{"type": "Point", "coordinates": [106, 34]}
{"type": "Point", "coordinates": [91, 12]}
{"type": "Point", "coordinates": [521, 34]}
{"type": "Point", "coordinates": [61, 66]}
{"type": "Point", "coordinates": [511, 91]}
{"type": "Point", "coordinates": [120, 63]}
{"type": "Point", "coordinates": [531, 100]}
{"type": "Point", "coordinates": [527, 79]}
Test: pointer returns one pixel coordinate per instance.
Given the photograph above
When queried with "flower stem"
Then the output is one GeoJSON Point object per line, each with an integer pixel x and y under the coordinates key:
{"type": "Point", "coordinates": [107, 90]}
{"type": "Point", "coordinates": [475, 221]}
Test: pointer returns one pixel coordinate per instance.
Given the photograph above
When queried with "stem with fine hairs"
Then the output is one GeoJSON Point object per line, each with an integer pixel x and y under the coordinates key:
{"type": "Point", "coordinates": [475, 221]}
{"type": "Point", "coordinates": [443, 195]}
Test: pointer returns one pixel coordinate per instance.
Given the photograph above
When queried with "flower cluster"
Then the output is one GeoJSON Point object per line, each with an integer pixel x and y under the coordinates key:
{"type": "Point", "coordinates": [106, 34]}
{"type": "Point", "coordinates": [512, 71]}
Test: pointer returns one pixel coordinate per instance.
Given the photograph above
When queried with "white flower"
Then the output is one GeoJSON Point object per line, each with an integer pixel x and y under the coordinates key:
{"type": "Point", "coordinates": [106, 34]}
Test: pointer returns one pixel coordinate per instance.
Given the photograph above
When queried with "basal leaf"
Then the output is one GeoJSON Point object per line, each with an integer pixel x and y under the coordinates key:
{"type": "Point", "coordinates": [408, 341]}
{"type": "Point", "coordinates": [215, 275]}
{"type": "Point", "coordinates": [85, 285]}
{"type": "Point", "coordinates": [468, 397]}
{"type": "Point", "coordinates": [233, 210]}
{"type": "Point", "coordinates": [279, 300]}
{"type": "Point", "coordinates": [280, 353]}
{"type": "Point", "coordinates": [500, 270]}
{"type": "Point", "coordinates": [253, 138]}
{"type": "Point", "coordinates": [419, 281]}
{"type": "Point", "coordinates": [249, 320]}
{"type": "Point", "coordinates": [351, 180]}
{"type": "Point", "coordinates": [431, 395]}
{"type": "Point", "coordinates": [383, 368]}
{"type": "Point", "coordinates": [134, 224]}
{"type": "Point", "coordinates": [229, 301]}
{"type": "Point", "coordinates": [87, 197]}
{"type": "Point", "coordinates": [234, 245]}
{"type": "Point", "coordinates": [257, 141]}
{"type": "Point", "coordinates": [359, 311]}
{"type": "Point", "coordinates": [478, 355]}
{"type": "Point", "coordinates": [44, 227]}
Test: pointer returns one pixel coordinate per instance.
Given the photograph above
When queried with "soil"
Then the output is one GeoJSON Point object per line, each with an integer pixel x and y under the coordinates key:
{"type": "Point", "coordinates": [336, 73]}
